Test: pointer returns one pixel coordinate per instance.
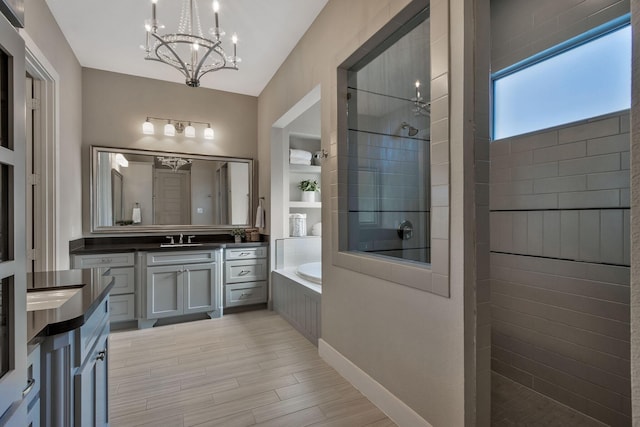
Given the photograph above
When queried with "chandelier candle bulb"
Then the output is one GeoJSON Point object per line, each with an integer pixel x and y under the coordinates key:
{"type": "Point", "coordinates": [216, 8]}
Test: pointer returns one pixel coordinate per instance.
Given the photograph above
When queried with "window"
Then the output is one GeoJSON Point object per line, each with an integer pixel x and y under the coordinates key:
{"type": "Point", "coordinates": [586, 77]}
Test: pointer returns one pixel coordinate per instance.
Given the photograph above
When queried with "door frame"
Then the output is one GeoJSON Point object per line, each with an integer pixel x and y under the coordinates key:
{"type": "Point", "coordinates": [46, 139]}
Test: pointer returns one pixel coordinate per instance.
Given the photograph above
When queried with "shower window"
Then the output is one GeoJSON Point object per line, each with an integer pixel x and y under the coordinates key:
{"type": "Point", "coordinates": [388, 154]}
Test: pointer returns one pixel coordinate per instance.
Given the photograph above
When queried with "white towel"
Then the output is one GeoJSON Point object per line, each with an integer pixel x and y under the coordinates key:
{"type": "Point", "coordinates": [295, 161]}
{"type": "Point", "coordinates": [136, 217]}
{"type": "Point", "coordinates": [300, 154]}
{"type": "Point", "coordinates": [260, 222]}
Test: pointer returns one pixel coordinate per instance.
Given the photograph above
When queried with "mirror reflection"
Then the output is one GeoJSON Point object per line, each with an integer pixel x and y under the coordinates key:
{"type": "Point", "coordinates": [143, 189]}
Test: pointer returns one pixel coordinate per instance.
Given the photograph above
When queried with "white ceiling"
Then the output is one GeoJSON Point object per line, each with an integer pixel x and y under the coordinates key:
{"type": "Point", "coordinates": [107, 34]}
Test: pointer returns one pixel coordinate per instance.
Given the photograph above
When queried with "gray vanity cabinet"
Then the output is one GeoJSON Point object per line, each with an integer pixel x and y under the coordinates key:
{"type": "Point", "coordinates": [183, 282]}
{"type": "Point", "coordinates": [245, 276]}
{"type": "Point", "coordinates": [122, 267]}
{"type": "Point", "coordinates": [74, 388]}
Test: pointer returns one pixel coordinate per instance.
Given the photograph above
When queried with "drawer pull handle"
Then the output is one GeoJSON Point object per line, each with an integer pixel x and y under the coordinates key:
{"type": "Point", "coordinates": [102, 354]}
{"type": "Point", "coordinates": [244, 253]}
{"type": "Point", "coordinates": [248, 294]}
{"type": "Point", "coordinates": [30, 383]}
{"type": "Point", "coordinates": [106, 260]}
{"type": "Point", "coordinates": [244, 272]}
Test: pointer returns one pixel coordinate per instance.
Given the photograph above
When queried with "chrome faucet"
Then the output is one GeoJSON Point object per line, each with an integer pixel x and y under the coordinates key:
{"type": "Point", "coordinates": [172, 242]}
{"type": "Point", "coordinates": [189, 238]}
{"type": "Point", "coordinates": [181, 236]}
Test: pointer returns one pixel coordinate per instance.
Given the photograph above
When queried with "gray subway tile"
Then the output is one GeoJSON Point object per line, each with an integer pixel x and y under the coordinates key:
{"type": "Point", "coordinates": [534, 233]}
{"type": "Point", "coordinates": [627, 239]}
{"type": "Point", "coordinates": [586, 165]}
{"type": "Point", "coordinates": [590, 130]}
{"type": "Point", "coordinates": [512, 160]}
{"type": "Point", "coordinates": [611, 236]}
{"type": "Point", "coordinates": [499, 175]}
{"type": "Point", "coordinates": [570, 235]}
{"type": "Point", "coordinates": [589, 199]}
{"type": "Point", "coordinates": [560, 184]}
{"type": "Point", "coordinates": [609, 144]}
{"type": "Point", "coordinates": [625, 122]}
{"type": "Point", "coordinates": [519, 235]}
{"type": "Point", "coordinates": [512, 188]}
{"type": "Point", "coordinates": [543, 170]}
{"type": "Point", "coordinates": [590, 235]}
{"type": "Point", "coordinates": [560, 152]}
{"type": "Point", "coordinates": [501, 231]}
{"type": "Point", "coordinates": [534, 141]}
{"type": "Point", "coordinates": [535, 201]}
{"type": "Point", "coordinates": [500, 148]}
{"type": "Point", "coordinates": [551, 234]}
{"type": "Point", "coordinates": [625, 160]}
{"type": "Point", "coordinates": [608, 180]}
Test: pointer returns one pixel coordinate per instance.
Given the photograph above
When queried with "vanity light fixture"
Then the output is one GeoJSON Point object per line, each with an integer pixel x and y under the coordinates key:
{"type": "Point", "coordinates": [174, 126]}
{"type": "Point", "coordinates": [147, 127]}
{"type": "Point", "coordinates": [188, 50]}
{"type": "Point", "coordinates": [169, 129]}
{"type": "Point", "coordinates": [174, 163]}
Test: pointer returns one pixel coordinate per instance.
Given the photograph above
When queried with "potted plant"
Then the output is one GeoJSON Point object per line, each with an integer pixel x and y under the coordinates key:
{"type": "Point", "coordinates": [238, 234]}
{"type": "Point", "coordinates": [309, 189]}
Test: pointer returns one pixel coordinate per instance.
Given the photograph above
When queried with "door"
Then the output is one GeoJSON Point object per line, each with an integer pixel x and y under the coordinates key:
{"type": "Point", "coordinates": [13, 320]}
{"type": "Point", "coordinates": [199, 287]}
{"type": "Point", "coordinates": [172, 201]}
{"type": "Point", "coordinates": [165, 291]}
{"type": "Point", "coordinates": [91, 389]}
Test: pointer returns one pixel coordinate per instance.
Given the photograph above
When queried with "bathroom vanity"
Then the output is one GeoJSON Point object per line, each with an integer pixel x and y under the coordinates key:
{"type": "Point", "coordinates": [156, 280]}
{"type": "Point", "coordinates": [68, 333]}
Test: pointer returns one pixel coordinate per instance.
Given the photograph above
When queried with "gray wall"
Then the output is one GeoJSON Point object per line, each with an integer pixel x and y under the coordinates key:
{"type": "Point", "coordinates": [412, 342]}
{"type": "Point", "coordinates": [114, 106]}
{"type": "Point", "coordinates": [44, 31]}
{"type": "Point", "coordinates": [560, 233]}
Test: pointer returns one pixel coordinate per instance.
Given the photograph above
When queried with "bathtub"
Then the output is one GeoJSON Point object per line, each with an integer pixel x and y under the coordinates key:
{"type": "Point", "coordinates": [311, 271]}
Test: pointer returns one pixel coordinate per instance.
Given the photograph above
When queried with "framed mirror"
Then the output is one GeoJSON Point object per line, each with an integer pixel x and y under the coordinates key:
{"type": "Point", "coordinates": [139, 191]}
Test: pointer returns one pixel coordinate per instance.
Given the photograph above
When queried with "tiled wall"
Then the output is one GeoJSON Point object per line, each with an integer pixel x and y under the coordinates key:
{"type": "Point", "coordinates": [559, 264]}
{"type": "Point", "coordinates": [527, 27]}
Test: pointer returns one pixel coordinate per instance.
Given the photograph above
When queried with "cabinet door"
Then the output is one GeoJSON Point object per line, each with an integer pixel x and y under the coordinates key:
{"type": "Point", "coordinates": [199, 287]}
{"type": "Point", "coordinates": [165, 291]}
{"type": "Point", "coordinates": [91, 389]}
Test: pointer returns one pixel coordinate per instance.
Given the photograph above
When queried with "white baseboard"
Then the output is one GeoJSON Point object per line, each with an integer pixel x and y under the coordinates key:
{"type": "Point", "coordinates": [395, 408]}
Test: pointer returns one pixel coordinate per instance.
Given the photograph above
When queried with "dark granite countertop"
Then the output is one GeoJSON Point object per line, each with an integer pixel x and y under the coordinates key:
{"type": "Point", "coordinates": [151, 243]}
{"type": "Point", "coordinates": [93, 289]}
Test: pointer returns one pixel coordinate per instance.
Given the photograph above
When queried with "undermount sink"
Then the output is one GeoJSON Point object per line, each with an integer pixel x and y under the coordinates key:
{"type": "Point", "coordinates": [44, 300]}
{"type": "Point", "coordinates": [179, 245]}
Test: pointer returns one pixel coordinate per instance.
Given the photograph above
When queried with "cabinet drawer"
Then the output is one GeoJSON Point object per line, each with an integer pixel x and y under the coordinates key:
{"type": "Point", "coordinates": [33, 373]}
{"type": "Point", "coordinates": [90, 332]}
{"type": "Point", "coordinates": [182, 257]}
{"type": "Point", "coordinates": [246, 253]}
{"type": "Point", "coordinates": [122, 307]}
{"type": "Point", "coordinates": [245, 293]}
{"type": "Point", "coordinates": [103, 260]}
{"type": "Point", "coordinates": [124, 280]}
{"type": "Point", "coordinates": [246, 271]}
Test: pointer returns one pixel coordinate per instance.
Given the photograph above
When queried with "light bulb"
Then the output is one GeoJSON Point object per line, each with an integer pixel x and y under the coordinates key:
{"type": "Point", "coordinates": [234, 38]}
{"type": "Point", "coordinates": [208, 133]}
{"type": "Point", "coordinates": [196, 46]}
{"type": "Point", "coordinates": [417, 84]}
{"type": "Point", "coordinates": [154, 1]}
{"type": "Point", "coordinates": [169, 130]}
{"type": "Point", "coordinates": [147, 128]}
{"type": "Point", "coordinates": [216, 6]}
{"type": "Point", "coordinates": [190, 131]}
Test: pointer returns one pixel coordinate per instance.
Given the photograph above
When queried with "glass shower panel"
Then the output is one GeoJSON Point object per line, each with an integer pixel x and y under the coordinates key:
{"type": "Point", "coordinates": [389, 147]}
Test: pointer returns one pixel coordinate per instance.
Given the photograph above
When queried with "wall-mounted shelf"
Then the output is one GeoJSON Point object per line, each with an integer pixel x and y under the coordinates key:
{"type": "Point", "coordinates": [309, 205]}
{"type": "Point", "coordinates": [304, 169]}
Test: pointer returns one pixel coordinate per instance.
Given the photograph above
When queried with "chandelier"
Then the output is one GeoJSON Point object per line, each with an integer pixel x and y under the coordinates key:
{"type": "Point", "coordinates": [188, 50]}
{"type": "Point", "coordinates": [420, 108]}
{"type": "Point", "coordinates": [174, 163]}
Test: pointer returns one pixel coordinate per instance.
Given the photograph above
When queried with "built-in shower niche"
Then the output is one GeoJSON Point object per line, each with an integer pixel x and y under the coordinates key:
{"type": "Point", "coordinates": [388, 138]}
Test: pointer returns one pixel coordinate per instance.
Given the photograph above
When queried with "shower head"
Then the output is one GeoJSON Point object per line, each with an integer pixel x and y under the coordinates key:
{"type": "Point", "coordinates": [411, 130]}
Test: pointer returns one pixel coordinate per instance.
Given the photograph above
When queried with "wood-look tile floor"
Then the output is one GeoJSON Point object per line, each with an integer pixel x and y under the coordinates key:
{"type": "Point", "coordinates": [244, 369]}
